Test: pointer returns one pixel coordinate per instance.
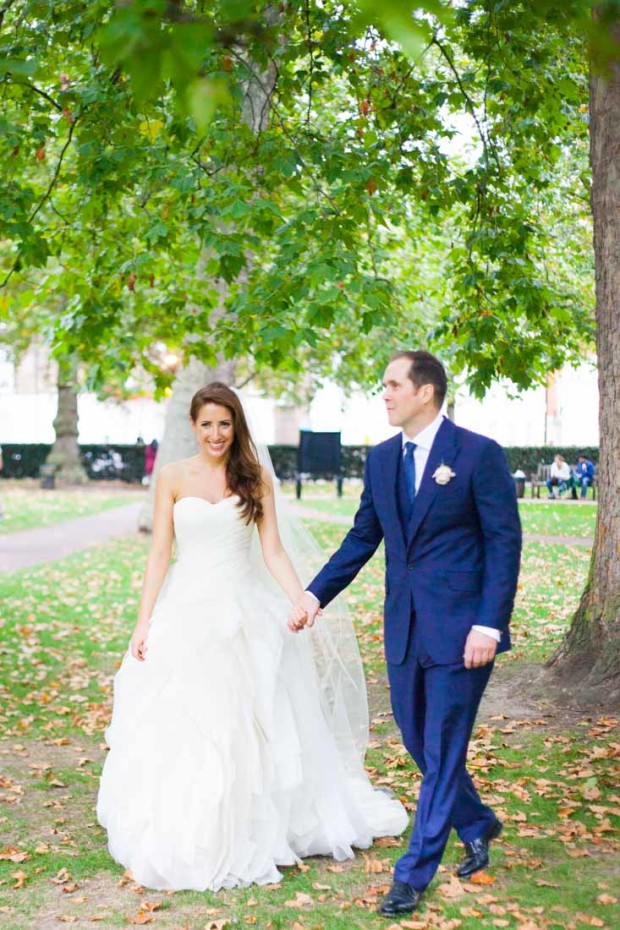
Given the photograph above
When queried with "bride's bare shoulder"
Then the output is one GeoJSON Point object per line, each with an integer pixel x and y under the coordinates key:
{"type": "Point", "coordinates": [170, 473]}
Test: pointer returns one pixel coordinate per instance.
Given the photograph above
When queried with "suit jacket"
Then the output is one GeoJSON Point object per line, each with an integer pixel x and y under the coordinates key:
{"type": "Point", "coordinates": [455, 564]}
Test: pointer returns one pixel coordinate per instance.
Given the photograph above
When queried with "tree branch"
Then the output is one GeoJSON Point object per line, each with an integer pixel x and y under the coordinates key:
{"type": "Point", "coordinates": [52, 183]}
{"type": "Point", "coordinates": [311, 54]}
{"type": "Point", "coordinates": [256, 77]}
{"type": "Point", "coordinates": [4, 9]}
{"type": "Point", "coordinates": [36, 90]}
{"type": "Point", "coordinates": [45, 197]}
{"type": "Point", "coordinates": [468, 102]}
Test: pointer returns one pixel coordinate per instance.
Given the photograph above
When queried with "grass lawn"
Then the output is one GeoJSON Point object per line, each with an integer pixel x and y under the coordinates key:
{"type": "Point", "coordinates": [26, 506]}
{"type": "Point", "coordinates": [548, 518]}
{"type": "Point", "coordinates": [553, 779]}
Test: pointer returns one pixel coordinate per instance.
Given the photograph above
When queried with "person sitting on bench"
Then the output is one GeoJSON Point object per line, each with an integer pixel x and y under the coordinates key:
{"type": "Point", "coordinates": [583, 476]}
{"type": "Point", "coordinates": [559, 476]}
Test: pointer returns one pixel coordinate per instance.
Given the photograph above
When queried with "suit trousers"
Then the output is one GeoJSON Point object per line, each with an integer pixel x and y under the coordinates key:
{"type": "Point", "coordinates": [435, 709]}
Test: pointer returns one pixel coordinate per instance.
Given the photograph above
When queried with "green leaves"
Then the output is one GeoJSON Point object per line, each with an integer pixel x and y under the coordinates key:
{"type": "Point", "coordinates": [290, 184]}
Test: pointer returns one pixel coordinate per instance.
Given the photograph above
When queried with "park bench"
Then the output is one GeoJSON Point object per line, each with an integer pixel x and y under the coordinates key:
{"type": "Point", "coordinates": [539, 478]}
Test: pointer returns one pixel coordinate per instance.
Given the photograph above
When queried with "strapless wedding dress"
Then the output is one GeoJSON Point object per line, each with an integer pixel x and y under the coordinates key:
{"type": "Point", "coordinates": [222, 765]}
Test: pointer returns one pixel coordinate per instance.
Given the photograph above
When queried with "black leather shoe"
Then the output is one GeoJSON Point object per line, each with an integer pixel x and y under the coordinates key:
{"type": "Point", "coordinates": [400, 899]}
{"type": "Point", "coordinates": [477, 852]}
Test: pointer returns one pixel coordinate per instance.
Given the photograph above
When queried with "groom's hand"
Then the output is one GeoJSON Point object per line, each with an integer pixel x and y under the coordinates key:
{"type": "Point", "coordinates": [480, 649]}
{"type": "Point", "coordinates": [304, 612]}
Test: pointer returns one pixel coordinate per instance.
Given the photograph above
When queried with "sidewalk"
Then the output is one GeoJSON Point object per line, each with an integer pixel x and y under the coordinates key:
{"type": "Point", "coordinates": [31, 547]}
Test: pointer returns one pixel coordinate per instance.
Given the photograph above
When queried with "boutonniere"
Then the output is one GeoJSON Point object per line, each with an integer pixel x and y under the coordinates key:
{"type": "Point", "coordinates": [443, 474]}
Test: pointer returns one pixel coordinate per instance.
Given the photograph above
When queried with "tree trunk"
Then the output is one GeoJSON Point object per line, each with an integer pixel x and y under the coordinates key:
{"type": "Point", "coordinates": [178, 440]}
{"type": "Point", "coordinates": [65, 453]}
{"type": "Point", "coordinates": [590, 653]}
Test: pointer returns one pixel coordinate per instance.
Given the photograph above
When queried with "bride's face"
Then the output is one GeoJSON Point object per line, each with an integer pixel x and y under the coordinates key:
{"type": "Point", "coordinates": [214, 430]}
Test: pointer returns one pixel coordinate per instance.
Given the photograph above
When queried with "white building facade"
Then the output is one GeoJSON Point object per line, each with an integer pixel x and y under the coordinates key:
{"type": "Point", "coordinates": [565, 413]}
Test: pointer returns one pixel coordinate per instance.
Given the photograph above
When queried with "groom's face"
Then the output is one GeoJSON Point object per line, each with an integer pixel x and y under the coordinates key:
{"type": "Point", "coordinates": [404, 402]}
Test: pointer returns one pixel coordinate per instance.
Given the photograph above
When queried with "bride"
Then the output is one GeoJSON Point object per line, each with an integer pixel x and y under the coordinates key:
{"type": "Point", "coordinates": [235, 745]}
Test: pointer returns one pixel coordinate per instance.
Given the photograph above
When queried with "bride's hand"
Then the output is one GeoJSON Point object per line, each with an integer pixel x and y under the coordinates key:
{"type": "Point", "coordinates": [139, 647]}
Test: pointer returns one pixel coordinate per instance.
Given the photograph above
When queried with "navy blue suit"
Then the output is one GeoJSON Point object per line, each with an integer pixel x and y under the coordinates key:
{"type": "Point", "coordinates": [453, 564]}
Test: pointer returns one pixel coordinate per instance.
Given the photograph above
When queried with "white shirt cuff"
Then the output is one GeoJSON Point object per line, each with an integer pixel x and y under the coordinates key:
{"type": "Point", "coordinates": [489, 631]}
{"type": "Point", "coordinates": [313, 595]}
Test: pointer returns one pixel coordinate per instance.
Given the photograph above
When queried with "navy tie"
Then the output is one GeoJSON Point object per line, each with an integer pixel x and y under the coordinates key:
{"type": "Point", "coordinates": [409, 472]}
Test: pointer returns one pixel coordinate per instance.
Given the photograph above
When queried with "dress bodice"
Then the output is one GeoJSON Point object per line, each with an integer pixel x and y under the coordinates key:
{"type": "Point", "coordinates": [212, 536]}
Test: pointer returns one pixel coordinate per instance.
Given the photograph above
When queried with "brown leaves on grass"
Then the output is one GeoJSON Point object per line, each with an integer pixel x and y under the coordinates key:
{"type": "Point", "coordinates": [300, 900]}
{"type": "Point", "coordinates": [142, 917]}
{"type": "Point", "coordinates": [374, 865]}
{"type": "Point", "coordinates": [11, 854]}
{"type": "Point", "coordinates": [482, 878]}
{"type": "Point", "coordinates": [20, 879]}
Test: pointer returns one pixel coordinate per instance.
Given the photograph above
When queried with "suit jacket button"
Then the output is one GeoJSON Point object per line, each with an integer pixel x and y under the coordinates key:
{"type": "Point", "coordinates": [409, 566]}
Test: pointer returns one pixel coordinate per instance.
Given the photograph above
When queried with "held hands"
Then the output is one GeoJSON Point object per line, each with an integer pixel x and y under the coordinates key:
{"type": "Point", "coordinates": [480, 649]}
{"type": "Point", "coordinates": [304, 612]}
{"type": "Point", "coordinates": [138, 646]}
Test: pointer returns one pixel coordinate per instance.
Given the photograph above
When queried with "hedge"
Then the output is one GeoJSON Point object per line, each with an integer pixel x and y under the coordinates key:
{"type": "Point", "coordinates": [126, 462]}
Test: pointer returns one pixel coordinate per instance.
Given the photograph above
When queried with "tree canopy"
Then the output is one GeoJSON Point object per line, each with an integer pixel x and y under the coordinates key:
{"type": "Point", "coordinates": [345, 217]}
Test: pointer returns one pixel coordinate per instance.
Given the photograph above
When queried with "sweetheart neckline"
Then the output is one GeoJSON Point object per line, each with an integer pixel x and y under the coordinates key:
{"type": "Point", "coordinates": [195, 497]}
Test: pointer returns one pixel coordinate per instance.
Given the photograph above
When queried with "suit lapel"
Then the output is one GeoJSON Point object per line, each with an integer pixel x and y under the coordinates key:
{"type": "Point", "coordinates": [390, 463]}
{"type": "Point", "coordinates": [443, 452]}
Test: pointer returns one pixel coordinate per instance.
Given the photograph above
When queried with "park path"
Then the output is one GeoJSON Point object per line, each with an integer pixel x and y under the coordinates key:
{"type": "Point", "coordinates": [48, 543]}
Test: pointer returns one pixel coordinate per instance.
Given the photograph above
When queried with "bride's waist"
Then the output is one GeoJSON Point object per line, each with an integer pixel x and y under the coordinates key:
{"type": "Point", "coordinates": [212, 566]}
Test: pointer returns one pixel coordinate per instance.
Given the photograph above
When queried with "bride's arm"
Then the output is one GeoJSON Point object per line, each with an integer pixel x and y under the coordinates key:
{"type": "Point", "coordinates": [274, 553]}
{"type": "Point", "coordinates": [158, 560]}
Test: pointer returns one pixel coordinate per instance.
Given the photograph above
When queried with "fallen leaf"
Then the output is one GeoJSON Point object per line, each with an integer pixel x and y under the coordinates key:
{"type": "Point", "coordinates": [20, 879]}
{"type": "Point", "coordinates": [606, 899]}
{"type": "Point", "coordinates": [374, 866]}
{"type": "Point", "coordinates": [451, 889]}
{"type": "Point", "coordinates": [301, 900]}
{"type": "Point", "coordinates": [482, 878]}
{"type": "Point", "coordinates": [11, 854]}
{"type": "Point", "coordinates": [61, 877]}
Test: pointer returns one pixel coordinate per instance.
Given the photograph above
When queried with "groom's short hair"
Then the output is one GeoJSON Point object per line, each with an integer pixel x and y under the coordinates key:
{"type": "Point", "coordinates": [426, 369]}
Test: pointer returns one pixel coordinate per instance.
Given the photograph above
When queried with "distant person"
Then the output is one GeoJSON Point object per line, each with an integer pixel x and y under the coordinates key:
{"type": "Point", "coordinates": [584, 476]}
{"type": "Point", "coordinates": [139, 460]}
{"type": "Point", "coordinates": [559, 477]}
{"type": "Point", "coordinates": [150, 454]}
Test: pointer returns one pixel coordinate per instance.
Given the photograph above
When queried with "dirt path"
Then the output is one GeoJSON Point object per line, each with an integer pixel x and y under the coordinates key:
{"type": "Point", "coordinates": [31, 547]}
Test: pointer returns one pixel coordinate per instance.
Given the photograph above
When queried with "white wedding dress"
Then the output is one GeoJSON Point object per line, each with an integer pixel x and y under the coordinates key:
{"type": "Point", "coordinates": [222, 763]}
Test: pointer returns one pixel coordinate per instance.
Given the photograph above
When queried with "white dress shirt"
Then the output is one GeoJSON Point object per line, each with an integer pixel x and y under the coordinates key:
{"type": "Point", "coordinates": [423, 442]}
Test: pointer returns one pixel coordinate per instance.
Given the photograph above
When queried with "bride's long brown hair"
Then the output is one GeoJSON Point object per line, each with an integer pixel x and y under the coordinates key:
{"type": "Point", "coordinates": [243, 470]}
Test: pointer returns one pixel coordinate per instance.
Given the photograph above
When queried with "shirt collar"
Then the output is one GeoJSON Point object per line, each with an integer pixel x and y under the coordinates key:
{"type": "Point", "coordinates": [425, 437]}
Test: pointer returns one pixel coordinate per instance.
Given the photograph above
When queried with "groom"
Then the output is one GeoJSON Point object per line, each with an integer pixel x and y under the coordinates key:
{"type": "Point", "coordinates": [444, 501]}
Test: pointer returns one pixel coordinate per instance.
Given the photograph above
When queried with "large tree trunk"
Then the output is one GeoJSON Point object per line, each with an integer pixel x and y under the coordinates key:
{"type": "Point", "coordinates": [65, 453]}
{"type": "Point", "coordinates": [591, 651]}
